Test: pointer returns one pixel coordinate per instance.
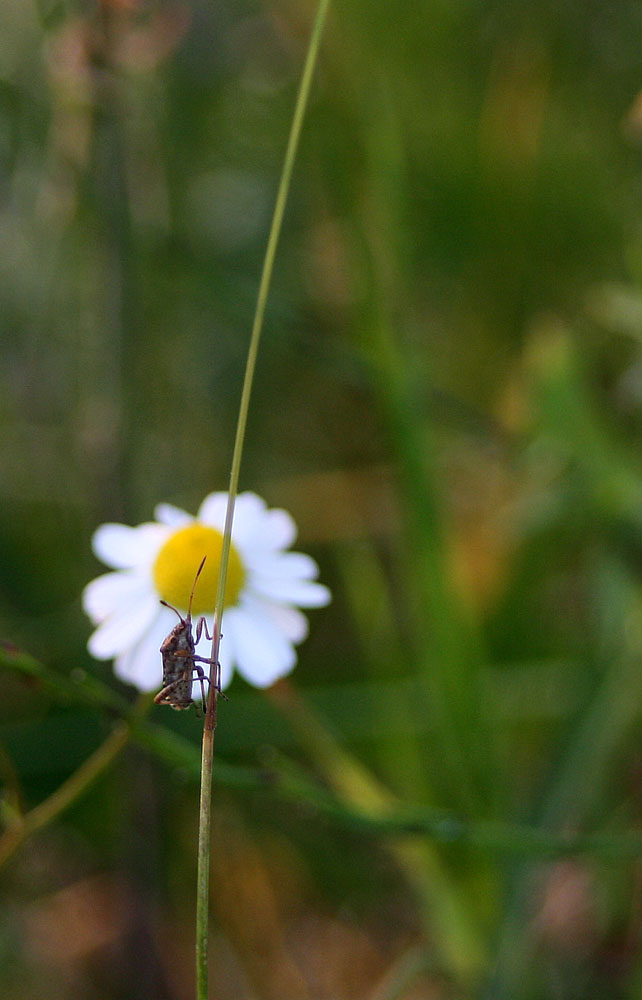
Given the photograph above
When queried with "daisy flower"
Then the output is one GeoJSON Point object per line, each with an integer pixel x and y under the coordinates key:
{"type": "Point", "coordinates": [266, 586]}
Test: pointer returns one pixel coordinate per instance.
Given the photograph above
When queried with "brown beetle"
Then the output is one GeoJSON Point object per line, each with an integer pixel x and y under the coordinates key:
{"type": "Point", "coordinates": [180, 659]}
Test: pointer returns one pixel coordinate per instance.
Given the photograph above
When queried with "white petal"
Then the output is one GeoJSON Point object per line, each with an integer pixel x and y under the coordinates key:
{"type": "Point", "coordinates": [212, 510]}
{"type": "Point", "coordinates": [172, 516]}
{"type": "Point", "coordinates": [104, 595]}
{"type": "Point", "coordinates": [287, 565]}
{"type": "Point", "coordinates": [290, 621]}
{"type": "Point", "coordinates": [226, 661]}
{"type": "Point", "coordinates": [124, 628]}
{"type": "Point", "coordinates": [249, 511]}
{"type": "Point", "coordinates": [304, 593]}
{"type": "Point", "coordinates": [122, 547]}
{"type": "Point", "coordinates": [257, 529]}
{"type": "Point", "coordinates": [141, 664]}
{"type": "Point", "coordinates": [279, 528]}
{"type": "Point", "coordinates": [261, 652]}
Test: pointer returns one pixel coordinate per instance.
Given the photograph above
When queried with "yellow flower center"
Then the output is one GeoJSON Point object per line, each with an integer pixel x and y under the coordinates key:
{"type": "Point", "coordinates": [178, 560]}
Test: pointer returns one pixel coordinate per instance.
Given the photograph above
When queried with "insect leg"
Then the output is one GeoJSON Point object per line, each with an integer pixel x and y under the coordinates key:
{"type": "Point", "coordinates": [202, 677]}
{"type": "Point", "coordinates": [201, 626]}
{"type": "Point", "coordinates": [162, 695]}
{"type": "Point", "coordinates": [206, 659]}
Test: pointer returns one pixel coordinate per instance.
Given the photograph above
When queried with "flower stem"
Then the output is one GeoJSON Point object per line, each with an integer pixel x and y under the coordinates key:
{"type": "Point", "coordinates": [202, 881]}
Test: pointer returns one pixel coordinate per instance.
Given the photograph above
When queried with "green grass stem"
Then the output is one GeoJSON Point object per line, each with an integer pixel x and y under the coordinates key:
{"type": "Point", "coordinates": [205, 812]}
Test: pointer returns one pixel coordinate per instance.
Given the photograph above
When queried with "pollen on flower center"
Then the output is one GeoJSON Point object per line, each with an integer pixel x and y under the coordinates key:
{"type": "Point", "coordinates": [178, 560]}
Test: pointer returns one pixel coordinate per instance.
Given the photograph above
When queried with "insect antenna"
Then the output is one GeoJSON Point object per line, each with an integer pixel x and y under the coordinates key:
{"type": "Point", "coordinates": [191, 596]}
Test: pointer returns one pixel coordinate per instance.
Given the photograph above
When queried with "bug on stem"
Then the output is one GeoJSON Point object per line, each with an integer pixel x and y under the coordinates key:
{"type": "Point", "coordinates": [181, 663]}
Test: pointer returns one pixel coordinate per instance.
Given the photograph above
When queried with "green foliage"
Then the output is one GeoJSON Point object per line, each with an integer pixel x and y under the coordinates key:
{"type": "Point", "coordinates": [448, 400]}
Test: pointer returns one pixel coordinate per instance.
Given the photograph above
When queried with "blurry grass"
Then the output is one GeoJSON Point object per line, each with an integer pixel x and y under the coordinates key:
{"type": "Point", "coordinates": [448, 400]}
{"type": "Point", "coordinates": [360, 801]}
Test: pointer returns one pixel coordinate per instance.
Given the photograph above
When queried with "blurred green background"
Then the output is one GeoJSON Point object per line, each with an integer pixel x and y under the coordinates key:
{"type": "Point", "coordinates": [448, 400]}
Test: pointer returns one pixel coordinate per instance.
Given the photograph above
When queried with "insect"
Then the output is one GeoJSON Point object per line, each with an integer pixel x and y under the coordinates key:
{"type": "Point", "coordinates": [180, 659]}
